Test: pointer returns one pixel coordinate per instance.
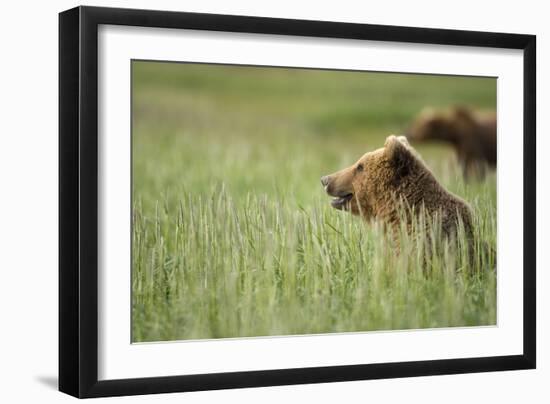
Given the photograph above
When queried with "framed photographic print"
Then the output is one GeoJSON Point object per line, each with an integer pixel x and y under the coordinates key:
{"type": "Point", "coordinates": [251, 201]}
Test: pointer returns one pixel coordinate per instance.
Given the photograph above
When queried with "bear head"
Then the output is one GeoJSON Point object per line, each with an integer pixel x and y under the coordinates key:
{"type": "Point", "coordinates": [376, 177]}
{"type": "Point", "coordinates": [450, 125]}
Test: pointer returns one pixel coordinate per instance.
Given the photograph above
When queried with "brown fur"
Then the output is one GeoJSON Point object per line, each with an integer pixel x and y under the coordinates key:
{"type": "Point", "coordinates": [376, 185]}
{"type": "Point", "coordinates": [473, 135]}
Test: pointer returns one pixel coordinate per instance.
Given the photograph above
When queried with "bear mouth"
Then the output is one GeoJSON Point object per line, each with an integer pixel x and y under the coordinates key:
{"type": "Point", "coordinates": [340, 202]}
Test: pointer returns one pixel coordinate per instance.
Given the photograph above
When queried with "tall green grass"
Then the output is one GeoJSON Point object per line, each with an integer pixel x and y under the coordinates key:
{"type": "Point", "coordinates": [233, 235]}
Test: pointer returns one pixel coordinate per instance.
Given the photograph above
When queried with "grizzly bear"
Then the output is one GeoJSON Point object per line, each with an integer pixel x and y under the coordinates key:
{"type": "Point", "coordinates": [385, 180]}
{"type": "Point", "coordinates": [473, 135]}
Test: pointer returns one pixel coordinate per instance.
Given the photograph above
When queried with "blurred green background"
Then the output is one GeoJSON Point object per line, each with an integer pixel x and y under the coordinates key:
{"type": "Point", "coordinates": [270, 133]}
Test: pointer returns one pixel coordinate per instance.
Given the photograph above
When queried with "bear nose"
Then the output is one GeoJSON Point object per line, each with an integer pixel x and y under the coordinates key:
{"type": "Point", "coordinates": [324, 180]}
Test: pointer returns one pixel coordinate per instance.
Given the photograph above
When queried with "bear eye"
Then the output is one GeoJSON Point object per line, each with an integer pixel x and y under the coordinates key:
{"type": "Point", "coordinates": [359, 167]}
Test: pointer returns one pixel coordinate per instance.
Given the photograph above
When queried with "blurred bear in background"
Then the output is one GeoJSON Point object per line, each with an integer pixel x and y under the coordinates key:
{"type": "Point", "coordinates": [473, 135]}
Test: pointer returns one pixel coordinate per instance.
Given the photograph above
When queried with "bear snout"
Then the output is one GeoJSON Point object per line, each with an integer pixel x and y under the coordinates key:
{"type": "Point", "coordinates": [327, 181]}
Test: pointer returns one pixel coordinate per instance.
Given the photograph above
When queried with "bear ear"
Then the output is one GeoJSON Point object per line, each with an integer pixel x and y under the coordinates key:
{"type": "Point", "coordinates": [462, 112]}
{"type": "Point", "coordinates": [403, 139]}
{"type": "Point", "coordinates": [399, 153]}
{"type": "Point", "coordinates": [396, 146]}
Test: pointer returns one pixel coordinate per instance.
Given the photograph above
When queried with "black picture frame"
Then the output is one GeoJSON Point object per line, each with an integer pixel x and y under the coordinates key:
{"type": "Point", "coordinates": [78, 201]}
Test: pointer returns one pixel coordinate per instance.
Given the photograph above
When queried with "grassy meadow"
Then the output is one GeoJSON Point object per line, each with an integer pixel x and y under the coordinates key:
{"type": "Point", "coordinates": [233, 234]}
